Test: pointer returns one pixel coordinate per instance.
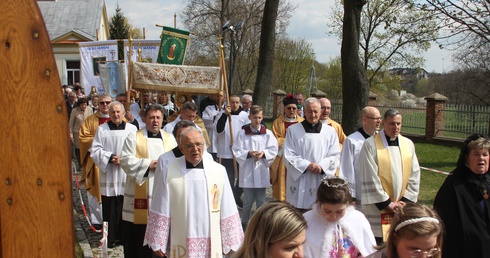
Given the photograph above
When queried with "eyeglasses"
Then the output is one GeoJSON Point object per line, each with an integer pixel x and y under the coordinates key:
{"type": "Point", "coordinates": [105, 102]}
{"type": "Point", "coordinates": [419, 253]}
{"type": "Point", "coordinates": [291, 108]}
{"type": "Point", "coordinates": [192, 146]}
{"type": "Point", "coordinates": [374, 118]}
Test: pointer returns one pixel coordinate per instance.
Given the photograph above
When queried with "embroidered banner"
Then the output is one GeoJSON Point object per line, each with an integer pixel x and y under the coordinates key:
{"type": "Point", "coordinates": [176, 78]}
{"type": "Point", "coordinates": [173, 45]}
{"type": "Point", "coordinates": [91, 55]}
{"type": "Point", "coordinates": [148, 50]}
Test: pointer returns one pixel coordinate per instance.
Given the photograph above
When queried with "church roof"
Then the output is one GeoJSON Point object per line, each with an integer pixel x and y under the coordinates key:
{"type": "Point", "coordinates": [64, 16]}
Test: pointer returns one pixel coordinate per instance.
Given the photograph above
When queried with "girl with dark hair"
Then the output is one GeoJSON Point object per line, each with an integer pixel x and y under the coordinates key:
{"type": "Point", "coordinates": [335, 227]}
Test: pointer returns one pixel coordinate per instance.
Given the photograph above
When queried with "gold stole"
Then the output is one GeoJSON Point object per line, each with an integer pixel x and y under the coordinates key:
{"type": "Point", "coordinates": [385, 175]}
{"type": "Point", "coordinates": [178, 209]}
{"type": "Point", "coordinates": [141, 191]}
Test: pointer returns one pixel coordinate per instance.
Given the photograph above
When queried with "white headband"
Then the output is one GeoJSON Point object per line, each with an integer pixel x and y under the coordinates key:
{"type": "Point", "coordinates": [416, 220]}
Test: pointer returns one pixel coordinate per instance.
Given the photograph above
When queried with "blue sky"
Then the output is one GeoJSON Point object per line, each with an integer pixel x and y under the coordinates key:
{"type": "Point", "coordinates": [308, 21]}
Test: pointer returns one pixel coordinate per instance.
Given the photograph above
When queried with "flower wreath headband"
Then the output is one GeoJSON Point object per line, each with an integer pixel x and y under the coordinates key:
{"type": "Point", "coordinates": [415, 220]}
{"type": "Point", "coordinates": [325, 181]}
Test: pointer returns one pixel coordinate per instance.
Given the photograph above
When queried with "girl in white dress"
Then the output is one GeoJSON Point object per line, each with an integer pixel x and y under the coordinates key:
{"type": "Point", "coordinates": [335, 227]}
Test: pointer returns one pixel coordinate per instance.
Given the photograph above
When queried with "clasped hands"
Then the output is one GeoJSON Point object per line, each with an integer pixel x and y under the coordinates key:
{"type": "Point", "coordinates": [256, 154]}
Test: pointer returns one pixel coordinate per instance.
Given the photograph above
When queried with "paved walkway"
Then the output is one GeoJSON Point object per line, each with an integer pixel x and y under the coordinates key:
{"type": "Point", "coordinates": [88, 239]}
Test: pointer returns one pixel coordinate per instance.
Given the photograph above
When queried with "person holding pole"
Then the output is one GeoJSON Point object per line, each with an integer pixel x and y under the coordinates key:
{"type": "Point", "coordinates": [230, 121]}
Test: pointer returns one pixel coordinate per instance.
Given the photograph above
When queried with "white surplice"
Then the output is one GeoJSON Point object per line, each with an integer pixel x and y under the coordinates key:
{"type": "Point", "coordinates": [255, 174]}
{"type": "Point", "coordinates": [198, 214]}
{"type": "Point", "coordinates": [224, 143]}
{"type": "Point", "coordinates": [136, 168]}
{"type": "Point", "coordinates": [106, 143]}
{"type": "Point", "coordinates": [320, 233]}
{"type": "Point", "coordinates": [372, 191]}
{"type": "Point", "coordinates": [209, 115]}
{"type": "Point", "coordinates": [135, 111]}
{"type": "Point", "coordinates": [301, 149]}
{"type": "Point", "coordinates": [349, 162]}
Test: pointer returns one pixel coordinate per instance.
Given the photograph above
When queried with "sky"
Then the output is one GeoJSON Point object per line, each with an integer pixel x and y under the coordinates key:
{"type": "Point", "coordinates": [308, 21]}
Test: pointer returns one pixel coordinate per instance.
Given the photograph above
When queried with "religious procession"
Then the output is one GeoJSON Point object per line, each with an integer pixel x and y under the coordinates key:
{"type": "Point", "coordinates": [178, 175]}
{"type": "Point", "coordinates": [173, 164]}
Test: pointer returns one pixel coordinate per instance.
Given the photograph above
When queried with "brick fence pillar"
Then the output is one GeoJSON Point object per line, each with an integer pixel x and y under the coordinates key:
{"type": "Point", "coordinates": [318, 94]}
{"type": "Point", "coordinates": [277, 108]}
{"type": "Point", "coordinates": [435, 119]}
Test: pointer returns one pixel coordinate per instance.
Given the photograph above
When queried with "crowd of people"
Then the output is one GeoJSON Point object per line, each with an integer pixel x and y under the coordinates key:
{"type": "Point", "coordinates": [170, 181]}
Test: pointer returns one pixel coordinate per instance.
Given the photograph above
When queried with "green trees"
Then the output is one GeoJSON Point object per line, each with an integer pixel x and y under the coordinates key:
{"type": "Point", "coordinates": [292, 64]}
{"type": "Point", "coordinates": [119, 29]}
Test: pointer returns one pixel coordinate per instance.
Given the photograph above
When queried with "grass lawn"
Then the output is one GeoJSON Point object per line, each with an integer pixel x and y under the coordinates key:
{"type": "Point", "coordinates": [436, 157]}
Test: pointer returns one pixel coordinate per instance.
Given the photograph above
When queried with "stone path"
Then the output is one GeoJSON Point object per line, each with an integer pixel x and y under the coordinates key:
{"type": "Point", "coordinates": [88, 239]}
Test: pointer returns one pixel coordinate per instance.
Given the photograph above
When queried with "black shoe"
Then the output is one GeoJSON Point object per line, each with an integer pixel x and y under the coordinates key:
{"type": "Point", "coordinates": [97, 226]}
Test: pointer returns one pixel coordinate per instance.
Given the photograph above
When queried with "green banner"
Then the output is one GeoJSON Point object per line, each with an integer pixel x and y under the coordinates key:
{"type": "Point", "coordinates": [173, 45]}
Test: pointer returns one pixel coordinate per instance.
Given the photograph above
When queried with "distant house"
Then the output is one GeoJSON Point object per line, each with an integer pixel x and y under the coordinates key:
{"type": "Point", "coordinates": [69, 22]}
{"type": "Point", "coordinates": [409, 77]}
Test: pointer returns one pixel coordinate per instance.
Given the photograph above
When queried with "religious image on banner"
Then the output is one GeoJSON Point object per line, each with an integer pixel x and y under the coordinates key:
{"type": "Point", "coordinates": [173, 45]}
{"type": "Point", "coordinates": [96, 61]}
{"type": "Point", "coordinates": [92, 54]}
{"type": "Point", "coordinates": [113, 77]}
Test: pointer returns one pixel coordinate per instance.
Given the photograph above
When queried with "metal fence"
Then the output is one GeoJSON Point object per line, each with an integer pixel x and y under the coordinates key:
{"type": "Point", "coordinates": [460, 120]}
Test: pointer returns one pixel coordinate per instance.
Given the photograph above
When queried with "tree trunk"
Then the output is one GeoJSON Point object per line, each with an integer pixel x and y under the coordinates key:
{"type": "Point", "coordinates": [266, 53]}
{"type": "Point", "coordinates": [355, 86]}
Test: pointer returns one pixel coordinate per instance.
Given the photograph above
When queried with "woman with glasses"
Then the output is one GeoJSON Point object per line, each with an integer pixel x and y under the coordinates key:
{"type": "Point", "coordinates": [416, 231]}
{"type": "Point", "coordinates": [279, 128]}
{"type": "Point", "coordinates": [335, 227]}
{"type": "Point", "coordinates": [463, 201]}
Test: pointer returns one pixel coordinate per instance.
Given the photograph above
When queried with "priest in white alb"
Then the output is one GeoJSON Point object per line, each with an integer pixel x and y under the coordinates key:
{"type": "Point", "coordinates": [139, 160]}
{"type": "Point", "coordinates": [390, 174]}
{"type": "Point", "coordinates": [193, 213]}
{"type": "Point", "coordinates": [106, 153]}
{"type": "Point", "coordinates": [349, 160]}
{"type": "Point", "coordinates": [311, 151]}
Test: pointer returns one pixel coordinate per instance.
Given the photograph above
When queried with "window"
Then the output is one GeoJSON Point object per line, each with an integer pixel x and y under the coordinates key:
{"type": "Point", "coordinates": [72, 71]}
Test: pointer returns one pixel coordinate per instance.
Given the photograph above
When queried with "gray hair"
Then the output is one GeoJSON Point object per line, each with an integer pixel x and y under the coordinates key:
{"type": "Point", "coordinates": [391, 113]}
{"type": "Point", "coordinates": [246, 96]}
{"type": "Point", "coordinates": [104, 95]}
{"type": "Point", "coordinates": [188, 129]}
{"type": "Point", "coordinates": [115, 103]}
{"type": "Point", "coordinates": [312, 100]}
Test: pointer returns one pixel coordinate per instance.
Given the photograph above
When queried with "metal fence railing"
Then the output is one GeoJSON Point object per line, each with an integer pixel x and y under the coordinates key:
{"type": "Point", "coordinates": [462, 120]}
{"type": "Point", "coordinates": [413, 117]}
{"type": "Point", "coordinates": [459, 120]}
